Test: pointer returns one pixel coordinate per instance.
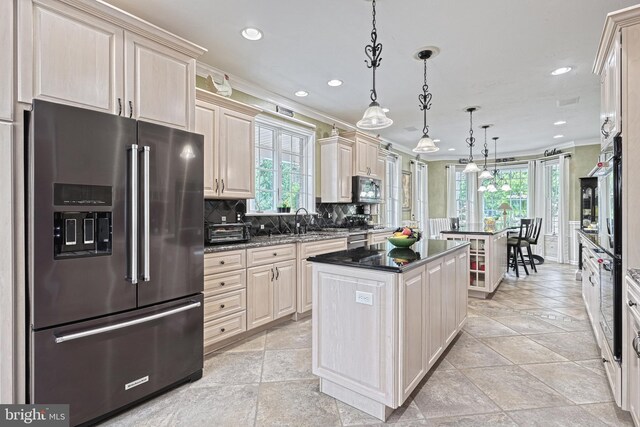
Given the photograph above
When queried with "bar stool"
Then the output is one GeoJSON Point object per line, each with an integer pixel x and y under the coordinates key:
{"type": "Point", "coordinates": [515, 245]}
{"type": "Point", "coordinates": [533, 241]}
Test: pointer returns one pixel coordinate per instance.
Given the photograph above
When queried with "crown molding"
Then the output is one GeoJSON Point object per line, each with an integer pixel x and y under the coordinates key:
{"type": "Point", "coordinates": [203, 70]}
{"type": "Point", "coordinates": [613, 23]}
{"type": "Point", "coordinates": [223, 101]}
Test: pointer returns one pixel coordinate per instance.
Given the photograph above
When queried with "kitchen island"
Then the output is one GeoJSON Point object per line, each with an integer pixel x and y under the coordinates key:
{"type": "Point", "coordinates": [382, 318]}
{"type": "Point", "coordinates": [487, 256]}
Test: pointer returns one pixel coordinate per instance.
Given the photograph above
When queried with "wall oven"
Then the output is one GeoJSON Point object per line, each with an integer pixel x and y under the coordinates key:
{"type": "Point", "coordinates": [610, 238]}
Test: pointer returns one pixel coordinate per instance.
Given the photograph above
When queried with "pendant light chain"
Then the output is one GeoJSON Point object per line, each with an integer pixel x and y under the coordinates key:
{"type": "Point", "coordinates": [425, 101]}
{"type": "Point", "coordinates": [485, 152]}
{"type": "Point", "coordinates": [471, 140]}
{"type": "Point", "coordinates": [373, 52]}
{"type": "Point", "coordinates": [495, 159]}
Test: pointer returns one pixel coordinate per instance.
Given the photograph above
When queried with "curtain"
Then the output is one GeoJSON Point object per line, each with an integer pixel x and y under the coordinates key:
{"type": "Point", "coordinates": [420, 196]}
{"type": "Point", "coordinates": [474, 197]}
{"type": "Point", "coordinates": [536, 206]}
{"type": "Point", "coordinates": [563, 221]}
{"type": "Point", "coordinates": [451, 192]}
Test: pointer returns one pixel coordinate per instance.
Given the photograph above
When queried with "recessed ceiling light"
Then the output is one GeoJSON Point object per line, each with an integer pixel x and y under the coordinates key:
{"type": "Point", "coordinates": [558, 136]}
{"type": "Point", "coordinates": [334, 82]}
{"type": "Point", "coordinates": [301, 93]}
{"type": "Point", "coordinates": [560, 122]}
{"type": "Point", "coordinates": [252, 34]}
{"type": "Point", "coordinates": [436, 140]}
{"type": "Point", "coordinates": [561, 70]}
{"type": "Point", "coordinates": [452, 149]}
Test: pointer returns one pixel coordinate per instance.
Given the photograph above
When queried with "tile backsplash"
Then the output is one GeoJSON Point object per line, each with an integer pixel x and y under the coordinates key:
{"type": "Point", "coordinates": [329, 215]}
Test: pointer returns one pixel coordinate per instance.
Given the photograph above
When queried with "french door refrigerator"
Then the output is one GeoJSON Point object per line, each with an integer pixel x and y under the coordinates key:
{"type": "Point", "coordinates": [115, 259]}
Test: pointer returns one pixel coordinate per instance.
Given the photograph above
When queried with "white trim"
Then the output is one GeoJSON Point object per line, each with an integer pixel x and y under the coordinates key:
{"type": "Point", "coordinates": [614, 22]}
{"type": "Point", "coordinates": [284, 124]}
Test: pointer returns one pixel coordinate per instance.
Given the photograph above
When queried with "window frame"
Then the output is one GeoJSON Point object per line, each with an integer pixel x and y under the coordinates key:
{"type": "Point", "coordinates": [307, 155]}
{"type": "Point", "coordinates": [392, 202]}
{"type": "Point", "coordinates": [551, 222]}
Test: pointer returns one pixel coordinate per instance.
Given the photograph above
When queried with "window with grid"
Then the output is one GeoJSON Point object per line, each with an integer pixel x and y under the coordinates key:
{"type": "Point", "coordinates": [462, 200]}
{"type": "Point", "coordinates": [392, 209]}
{"type": "Point", "coordinates": [552, 199]}
{"type": "Point", "coordinates": [518, 178]}
{"type": "Point", "coordinates": [284, 167]}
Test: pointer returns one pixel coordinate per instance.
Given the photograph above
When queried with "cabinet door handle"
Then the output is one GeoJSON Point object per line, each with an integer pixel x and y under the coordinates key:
{"type": "Point", "coordinates": [217, 186]}
{"type": "Point", "coordinates": [222, 185]}
{"type": "Point", "coordinates": [222, 329]}
{"type": "Point", "coordinates": [130, 109]}
{"type": "Point", "coordinates": [222, 262]}
{"type": "Point", "coordinates": [277, 273]}
{"type": "Point", "coordinates": [221, 305]}
{"type": "Point", "coordinates": [275, 254]}
{"type": "Point", "coordinates": [631, 303]}
{"type": "Point", "coordinates": [119, 106]}
{"type": "Point", "coordinates": [221, 283]}
{"type": "Point", "coordinates": [273, 275]}
{"type": "Point", "coordinates": [604, 360]}
{"type": "Point", "coordinates": [634, 344]}
{"type": "Point", "coordinates": [602, 131]}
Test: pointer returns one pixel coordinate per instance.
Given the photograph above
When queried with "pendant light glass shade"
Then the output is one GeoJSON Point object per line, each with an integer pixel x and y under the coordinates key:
{"type": "Point", "coordinates": [491, 188]}
{"type": "Point", "coordinates": [374, 118]}
{"type": "Point", "coordinates": [505, 187]}
{"type": "Point", "coordinates": [485, 175]}
{"type": "Point", "coordinates": [471, 168]}
{"type": "Point", "coordinates": [482, 189]}
{"type": "Point", "coordinates": [426, 145]}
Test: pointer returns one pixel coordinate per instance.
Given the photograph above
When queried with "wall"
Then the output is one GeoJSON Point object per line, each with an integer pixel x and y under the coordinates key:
{"type": "Point", "coordinates": [583, 159]}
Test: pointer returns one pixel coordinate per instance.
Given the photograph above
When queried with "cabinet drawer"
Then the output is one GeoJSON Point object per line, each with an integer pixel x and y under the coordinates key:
{"type": "Point", "coordinates": [223, 304]}
{"type": "Point", "coordinates": [270, 254]}
{"type": "Point", "coordinates": [224, 261]}
{"type": "Point", "coordinates": [318, 248]}
{"type": "Point", "coordinates": [215, 284]}
{"type": "Point", "coordinates": [375, 238]}
{"type": "Point", "coordinates": [633, 295]}
{"type": "Point", "coordinates": [225, 327]}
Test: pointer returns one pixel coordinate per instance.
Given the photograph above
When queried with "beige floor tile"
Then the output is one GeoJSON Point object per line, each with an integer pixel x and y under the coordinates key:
{"type": "Point", "coordinates": [254, 343]}
{"type": "Point", "coordinates": [521, 349]}
{"type": "Point", "coordinates": [289, 337]}
{"type": "Point", "coordinates": [569, 324]}
{"type": "Point", "coordinates": [231, 368]}
{"type": "Point", "coordinates": [485, 420]}
{"type": "Point", "coordinates": [468, 352]}
{"type": "Point", "coordinates": [610, 414]}
{"type": "Point", "coordinates": [596, 365]}
{"type": "Point", "coordinates": [575, 312]}
{"type": "Point", "coordinates": [224, 406]}
{"type": "Point", "coordinates": [158, 412]}
{"type": "Point", "coordinates": [351, 416]}
{"type": "Point", "coordinates": [486, 327]}
{"type": "Point", "coordinates": [513, 388]}
{"type": "Point", "coordinates": [296, 403]}
{"type": "Point", "coordinates": [450, 393]}
{"type": "Point", "coordinates": [520, 303]}
{"type": "Point", "coordinates": [572, 345]}
{"type": "Point", "coordinates": [442, 365]}
{"type": "Point", "coordinates": [547, 292]}
{"type": "Point", "coordinates": [568, 416]}
{"type": "Point", "coordinates": [286, 365]}
{"type": "Point", "coordinates": [576, 383]}
{"type": "Point", "coordinates": [528, 325]}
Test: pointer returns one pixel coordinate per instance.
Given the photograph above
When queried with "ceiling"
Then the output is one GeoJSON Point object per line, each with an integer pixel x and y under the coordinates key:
{"type": "Point", "coordinates": [497, 54]}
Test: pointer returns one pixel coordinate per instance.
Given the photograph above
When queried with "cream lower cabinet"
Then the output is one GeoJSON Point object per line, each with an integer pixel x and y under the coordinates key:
{"type": "Point", "coordinates": [271, 286]}
{"type": "Point", "coordinates": [632, 356]}
{"type": "Point", "coordinates": [591, 288]}
{"type": "Point", "coordinates": [229, 153]}
{"type": "Point", "coordinates": [376, 334]}
{"type": "Point", "coordinates": [91, 55]}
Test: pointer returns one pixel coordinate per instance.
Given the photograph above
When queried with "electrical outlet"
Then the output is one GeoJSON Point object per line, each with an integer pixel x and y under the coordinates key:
{"type": "Point", "coordinates": [261, 226]}
{"type": "Point", "coordinates": [224, 219]}
{"type": "Point", "coordinates": [329, 215]}
{"type": "Point", "coordinates": [364, 298]}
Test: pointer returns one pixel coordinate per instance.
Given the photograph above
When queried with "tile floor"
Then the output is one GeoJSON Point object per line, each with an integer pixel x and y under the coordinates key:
{"type": "Point", "coordinates": [526, 357]}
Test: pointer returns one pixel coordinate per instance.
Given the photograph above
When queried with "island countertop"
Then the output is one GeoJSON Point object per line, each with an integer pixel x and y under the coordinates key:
{"type": "Point", "coordinates": [476, 229]}
{"type": "Point", "coordinates": [388, 258]}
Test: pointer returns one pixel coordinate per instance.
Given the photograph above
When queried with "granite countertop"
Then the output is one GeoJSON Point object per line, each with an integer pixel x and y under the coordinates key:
{"type": "Point", "coordinates": [596, 241]}
{"type": "Point", "coordinates": [388, 258]}
{"type": "Point", "coordinates": [277, 239]}
{"type": "Point", "coordinates": [634, 273]}
{"type": "Point", "coordinates": [477, 229]}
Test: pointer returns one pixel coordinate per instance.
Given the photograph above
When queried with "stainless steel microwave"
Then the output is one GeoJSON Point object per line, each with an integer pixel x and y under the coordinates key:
{"type": "Point", "coordinates": [366, 190]}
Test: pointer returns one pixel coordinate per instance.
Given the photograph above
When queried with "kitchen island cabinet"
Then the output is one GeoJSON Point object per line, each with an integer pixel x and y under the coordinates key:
{"type": "Point", "coordinates": [487, 256]}
{"type": "Point", "coordinates": [382, 318]}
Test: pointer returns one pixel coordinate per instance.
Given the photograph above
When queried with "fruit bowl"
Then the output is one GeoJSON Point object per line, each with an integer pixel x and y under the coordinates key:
{"type": "Point", "coordinates": [400, 242]}
{"type": "Point", "coordinates": [403, 256]}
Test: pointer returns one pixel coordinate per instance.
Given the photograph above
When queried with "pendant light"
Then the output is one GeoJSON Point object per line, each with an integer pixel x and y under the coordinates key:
{"type": "Point", "coordinates": [491, 188]}
{"type": "Point", "coordinates": [426, 144]}
{"type": "Point", "coordinates": [486, 174]}
{"type": "Point", "coordinates": [374, 118]}
{"type": "Point", "coordinates": [471, 166]}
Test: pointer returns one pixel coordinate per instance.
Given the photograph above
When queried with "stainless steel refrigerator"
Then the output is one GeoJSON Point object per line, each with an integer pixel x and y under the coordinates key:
{"type": "Point", "coordinates": [115, 259]}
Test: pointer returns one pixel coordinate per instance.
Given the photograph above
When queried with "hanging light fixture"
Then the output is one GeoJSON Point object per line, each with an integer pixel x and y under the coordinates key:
{"type": "Point", "coordinates": [505, 186]}
{"type": "Point", "coordinates": [486, 174]}
{"type": "Point", "coordinates": [491, 188]}
{"type": "Point", "coordinates": [426, 144]}
{"type": "Point", "coordinates": [471, 166]}
{"type": "Point", "coordinates": [374, 117]}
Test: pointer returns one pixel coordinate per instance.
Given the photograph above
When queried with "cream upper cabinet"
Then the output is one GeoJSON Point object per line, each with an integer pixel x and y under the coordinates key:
{"type": "Point", "coordinates": [6, 65]}
{"type": "Point", "coordinates": [336, 163]}
{"type": "Point", "coordinates": [365, 153]}
{"type": "Point", "coordinates": [160, 83]}
{"type": "Point", "coordinates": [91, 55]}
{"type": "Point", "coordinates": [70, 57]}
{"type": "Point", "coordinates": [229, 145]}
{"type": "Point", "coordinates": [611, 94]}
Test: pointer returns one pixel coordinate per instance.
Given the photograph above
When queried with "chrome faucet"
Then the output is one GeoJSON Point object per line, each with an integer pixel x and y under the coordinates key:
{"type": "Point", "coordinates": [297, 227]}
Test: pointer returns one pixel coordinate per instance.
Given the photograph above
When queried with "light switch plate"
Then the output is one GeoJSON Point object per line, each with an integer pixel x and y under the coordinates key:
{"type": "Point", "coordinates": [364, 298]}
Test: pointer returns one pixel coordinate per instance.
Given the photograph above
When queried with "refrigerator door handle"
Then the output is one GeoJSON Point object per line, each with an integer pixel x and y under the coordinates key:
{"type": "Point", "coordinates": [132, 236]}
{"type": "Point", "coordinates": [109, 328]}
{"type": "Point", "coordinates": [146, 272]}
